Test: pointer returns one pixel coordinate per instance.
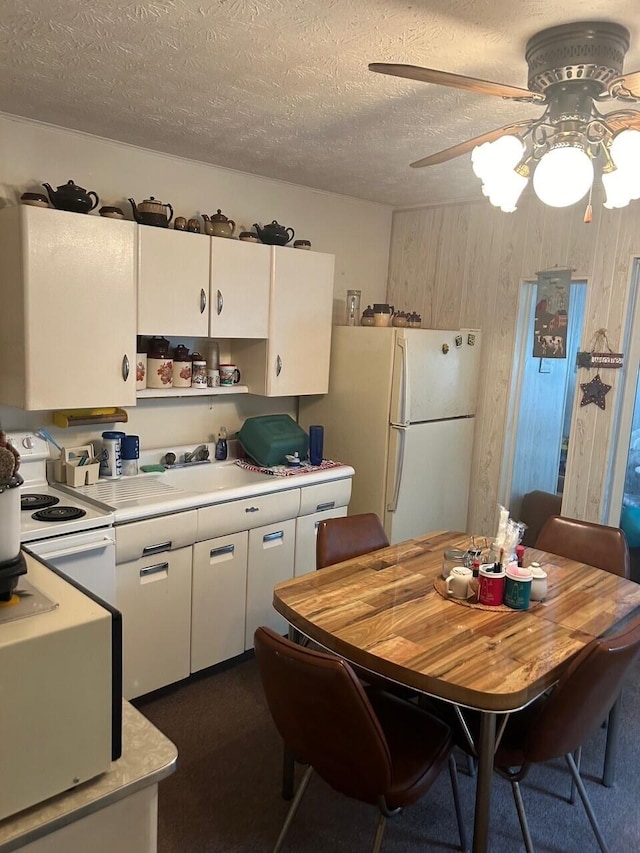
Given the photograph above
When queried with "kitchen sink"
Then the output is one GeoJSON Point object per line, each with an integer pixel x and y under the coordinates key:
{"type": "Point", "coordinates": [218, 476]}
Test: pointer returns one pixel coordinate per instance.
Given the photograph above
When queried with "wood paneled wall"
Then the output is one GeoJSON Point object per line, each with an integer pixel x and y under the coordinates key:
{"type": "Point", "coordinates": [461, 265]}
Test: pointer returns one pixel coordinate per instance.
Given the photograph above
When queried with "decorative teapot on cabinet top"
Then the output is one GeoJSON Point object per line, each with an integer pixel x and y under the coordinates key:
{"type": "Point", "coordinates": [218, 225]}
{"type": "Point", "coordinates": [152, 212]}
{"type": "Point", "coordinates": [274, 234]}
{"type": "Point", "coordinates": [70, 196]}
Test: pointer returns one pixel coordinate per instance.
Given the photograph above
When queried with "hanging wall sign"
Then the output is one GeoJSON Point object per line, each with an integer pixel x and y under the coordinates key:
{"type": "Point", "coordinates": [552, 305]}
{"type": "Point", "coordinates": [600, 359]}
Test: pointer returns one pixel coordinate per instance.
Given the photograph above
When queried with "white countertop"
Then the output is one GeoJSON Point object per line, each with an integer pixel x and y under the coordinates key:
{"type": "Point", "coordinates": [175, 490]}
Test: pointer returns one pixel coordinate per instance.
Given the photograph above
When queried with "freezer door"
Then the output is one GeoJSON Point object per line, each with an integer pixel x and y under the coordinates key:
{"type": "Point", "coordinates": [433, 378]}
{"type": "Point", "coordinates": [434, 489]}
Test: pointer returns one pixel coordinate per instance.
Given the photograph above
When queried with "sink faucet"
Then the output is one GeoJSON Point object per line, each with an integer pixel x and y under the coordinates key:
{"type": "Point", "coordinates": [198, 455]}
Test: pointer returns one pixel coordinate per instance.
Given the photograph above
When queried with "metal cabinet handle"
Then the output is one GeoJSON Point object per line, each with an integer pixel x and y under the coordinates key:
{"type": "Point", "coordinates": [125, 367]}
{"type": "Point", "coordinates": [278, 366]}
{"type": "Point", "coordinates": [220, 303]}
{"type": "Point", "coordinates": [271, 537]}
{"type": "Point", "coordinates": [154, 570]}
{"type": "Point", "coordinates": [156, 549]}
{"type": "Point", "coordinates": [324, 506]}
{"type": "Point", "coordinates": [252, 509]}
{"type": "Point", "coordinates": [225, 549]}
{"type": "Point", "coordinates": [203, 301]}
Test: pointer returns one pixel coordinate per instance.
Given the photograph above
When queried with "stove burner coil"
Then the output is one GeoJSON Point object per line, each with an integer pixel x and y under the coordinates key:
{"type": "Point", "coordinates": [59, 513]}
{"type": "Point", "coordinates": [37, 501]}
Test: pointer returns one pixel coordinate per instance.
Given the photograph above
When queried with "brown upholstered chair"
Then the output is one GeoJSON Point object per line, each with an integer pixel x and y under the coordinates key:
{"type": "Point", "coordinates": [594, 544]}
{"type": "Point", "coordinates": [343, 538]}
{"type": "Point", "coordinates": [536, 508]}
{"type": "Point", "coordinates": [365, 744]}
{"type": "Point", "coordinates": [557, 723]}
{"type": "Point", "coordinates": [605, 548]}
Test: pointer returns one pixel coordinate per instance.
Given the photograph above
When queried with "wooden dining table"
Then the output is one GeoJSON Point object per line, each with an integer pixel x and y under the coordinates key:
{"type": "Point", "coordinates": [386, 612]}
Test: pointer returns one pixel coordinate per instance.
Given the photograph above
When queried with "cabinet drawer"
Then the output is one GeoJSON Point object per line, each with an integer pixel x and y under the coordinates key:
{"type": "Point", "coordinates": [233, 516]}
{"type": "Point", "coordinates": [155, 535]}
{"type": "Point", "coordinates": [325, 496]}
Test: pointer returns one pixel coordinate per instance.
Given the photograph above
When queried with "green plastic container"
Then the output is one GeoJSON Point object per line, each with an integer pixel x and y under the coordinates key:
{"type": "Point", "coordinates": [269, 438]}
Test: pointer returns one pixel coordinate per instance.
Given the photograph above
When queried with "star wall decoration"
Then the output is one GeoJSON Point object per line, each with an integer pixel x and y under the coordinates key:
{"type": "Point", "coordinates": [594, 392]}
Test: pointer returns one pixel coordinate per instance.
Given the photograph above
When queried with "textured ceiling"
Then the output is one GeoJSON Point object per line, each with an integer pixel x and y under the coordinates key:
{"type": "Point", "coordinates": [281, 88]}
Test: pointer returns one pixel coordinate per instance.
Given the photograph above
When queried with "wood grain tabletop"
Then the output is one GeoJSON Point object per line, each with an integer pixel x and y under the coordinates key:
{"type": "Point", "coordinates": [382, 612]}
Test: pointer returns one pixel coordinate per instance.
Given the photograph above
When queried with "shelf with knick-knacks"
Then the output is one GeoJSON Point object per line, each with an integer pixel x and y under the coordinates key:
{"type": "Point", "coordinates": [165, 393]}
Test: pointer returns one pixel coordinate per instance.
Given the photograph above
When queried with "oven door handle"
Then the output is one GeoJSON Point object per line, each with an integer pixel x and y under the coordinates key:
{"type": "Point", "coordinates": [102, 544]}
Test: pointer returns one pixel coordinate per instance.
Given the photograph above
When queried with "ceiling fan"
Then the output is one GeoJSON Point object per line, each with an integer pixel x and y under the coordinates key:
{"type": "Point", "coordinates": [572, 68]}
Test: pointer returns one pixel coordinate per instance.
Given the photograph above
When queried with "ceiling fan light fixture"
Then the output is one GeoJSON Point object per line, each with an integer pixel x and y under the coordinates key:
{"type": "Point", "coordinates": [505, 189]}
{"type": "Point", "coordinates": [502, 155]}
{"type": "Point", "coordinates": [563, 176]}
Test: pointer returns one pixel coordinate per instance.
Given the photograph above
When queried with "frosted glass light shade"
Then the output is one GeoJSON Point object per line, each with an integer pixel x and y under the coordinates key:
{"type": "Point", "coordinates": [502, 155]}
{"type": "Point", "coordinates": [563, 176]}
{"type": "Point", "coordinates": [503, 191]}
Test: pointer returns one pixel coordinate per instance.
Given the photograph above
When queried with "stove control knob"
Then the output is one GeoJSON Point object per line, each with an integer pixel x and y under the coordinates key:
{"type": "Point", "coordinates": [28, 442]}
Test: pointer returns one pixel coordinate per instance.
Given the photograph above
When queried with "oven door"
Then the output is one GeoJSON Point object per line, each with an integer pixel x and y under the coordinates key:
{"type": "Point", "coordinates": [87, 558]}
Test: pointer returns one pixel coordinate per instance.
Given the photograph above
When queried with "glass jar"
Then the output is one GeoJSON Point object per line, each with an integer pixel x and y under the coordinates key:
{"type": "Point", "coordinates": [453, 557]}
{"type": "Point", "coordinates": [353, 307]}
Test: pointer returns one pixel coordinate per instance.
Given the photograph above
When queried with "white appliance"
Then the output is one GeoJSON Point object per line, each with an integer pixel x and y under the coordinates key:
{"type": "Point", "coordinates": [61, 689]}
{"type": "Point", "coordinates": [400, 410]}
{"type": "Point", "coordinates": [71, 531]}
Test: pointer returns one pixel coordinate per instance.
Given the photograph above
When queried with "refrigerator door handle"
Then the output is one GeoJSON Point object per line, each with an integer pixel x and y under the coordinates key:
{"type": "Point", "coordinates": [405, 409]}
{"type": "Point", "coordinates": [402, 430]}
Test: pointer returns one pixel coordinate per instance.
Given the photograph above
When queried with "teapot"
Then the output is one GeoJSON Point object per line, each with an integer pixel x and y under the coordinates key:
{"type": "Point", "coordinates": [152, 212]}
{"type": "Point", "coordinates": [218, 225]}
{"type": "Point", "coordinates": [274, 234]}
{"type": "Point", "coordinates": [70, 196]}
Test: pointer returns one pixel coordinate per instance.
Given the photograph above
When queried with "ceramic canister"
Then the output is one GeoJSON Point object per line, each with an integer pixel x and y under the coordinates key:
{"type": "Point", "coordinates": [111, 465]}
{"type": "Point", "coordinates": [538, 582]}
{"type": "Point", "coordinates": [181, 367]}
{"type": "Point", "coordinates": [490, 586]}
{"type": "Point", "coordinates": [517, 588]}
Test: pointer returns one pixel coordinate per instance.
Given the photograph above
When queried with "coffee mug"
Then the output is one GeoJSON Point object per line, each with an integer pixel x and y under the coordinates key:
{"type": "Point", "coordinates": [229, 374]}
{"type": "Point", "coordinates": [458, 582]}
{"type": "Point", "coordinates": [491, 586]}
{"type": "Point", "coordinates": [213, 378]}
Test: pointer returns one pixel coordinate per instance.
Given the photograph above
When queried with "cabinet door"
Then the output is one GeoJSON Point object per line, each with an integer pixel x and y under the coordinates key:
{"type": "Point", "coordinates": [218, 599]}
{"type": "Point", "coordinates": [271, 553]}
{"type": "Point", "coordinates": [154, 597]}
{"type": "Point", "coordinates": [300, 328]}
{"type": "Point", "coordinates": [67, 328]}
{"type": "Point", "coordinates": [306, 535]}
{"type": "Point", "coordinates": [173, 282]}
{"type": "Point", "coordinates": [240, 279]}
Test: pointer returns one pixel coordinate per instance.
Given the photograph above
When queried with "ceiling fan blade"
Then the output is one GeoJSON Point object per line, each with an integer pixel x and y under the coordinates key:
{"type": "Point", "coordinates": [626, 87]}
{"type": "Point", "coordinates": [470, 144]}
{"type": "Point", "coordinates": [456, 81]}
{"type": "Point", "coordinates": [623, 120]}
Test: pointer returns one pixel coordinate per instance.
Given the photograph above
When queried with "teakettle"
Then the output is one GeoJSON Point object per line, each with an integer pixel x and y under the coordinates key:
{"type": "Point", "coordinates": [274, 234]}
{"type": "Point", "coordinates": [70, 196]}
{"type": "Point", "coordinates": [152, 212]}
{"type": "Point", "coordinates": [218, 225]}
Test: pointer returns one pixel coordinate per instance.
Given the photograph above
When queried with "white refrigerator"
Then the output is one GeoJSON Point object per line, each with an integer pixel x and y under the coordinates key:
{"type": "Point", "coordinates": [401, 410]}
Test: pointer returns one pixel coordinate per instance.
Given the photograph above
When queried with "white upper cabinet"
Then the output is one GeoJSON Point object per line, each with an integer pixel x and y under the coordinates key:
{"type": "Point", "coordinates": [240, 276]}
{"type": "Point", "coordinates": [295, 359]}
{"type": "Point", "coordinates": [173, 282]}
{"type": "Point", "coordinates": [67, 325]}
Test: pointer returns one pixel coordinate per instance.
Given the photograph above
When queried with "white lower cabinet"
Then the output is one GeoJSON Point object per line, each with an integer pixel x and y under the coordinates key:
{"type": "Point", "coordinates": [218, 596]}
{"type": "Point", "coordinates": [154, 596]}
{"type": "Point", "coordinates": [306, 536]}
{"type": "Point", "coordinates": [271, 554]}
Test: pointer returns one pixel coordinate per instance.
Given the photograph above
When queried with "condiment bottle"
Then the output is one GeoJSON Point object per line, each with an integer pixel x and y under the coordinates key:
{"type": "Point", "coordinates": [221, 445]}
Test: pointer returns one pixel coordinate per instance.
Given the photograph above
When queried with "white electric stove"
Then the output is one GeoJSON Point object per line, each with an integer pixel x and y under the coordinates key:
{"type": "Point", "coordinates": [72, 532]}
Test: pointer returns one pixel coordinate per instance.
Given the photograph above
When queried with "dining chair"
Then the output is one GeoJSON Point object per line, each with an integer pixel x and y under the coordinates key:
{"type": "Point", "coordinates": [349, 536]}
{"type": "Point", "coordinates": [558, 722]}
{"type": "Point", "coordinates": [364, 743]}
{"type": "Point", "coordinates": [605, 548]}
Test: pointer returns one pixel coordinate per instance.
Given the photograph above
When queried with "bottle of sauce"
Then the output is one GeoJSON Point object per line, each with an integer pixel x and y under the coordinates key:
{"type": "Point", "coordinates": [221, 445]}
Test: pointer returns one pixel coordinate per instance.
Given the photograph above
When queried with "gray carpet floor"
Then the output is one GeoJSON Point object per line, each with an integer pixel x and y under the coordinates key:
{"type": "Point", "coordinates": [225, 793]}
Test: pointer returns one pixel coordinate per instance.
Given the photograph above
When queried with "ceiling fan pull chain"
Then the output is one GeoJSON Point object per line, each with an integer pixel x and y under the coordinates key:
{"type": "Point", "coordinates": [588, 214]}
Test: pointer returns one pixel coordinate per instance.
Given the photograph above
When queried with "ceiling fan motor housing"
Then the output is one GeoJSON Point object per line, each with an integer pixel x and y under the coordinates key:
{"type": "Point", "coordinates": [591, 51]}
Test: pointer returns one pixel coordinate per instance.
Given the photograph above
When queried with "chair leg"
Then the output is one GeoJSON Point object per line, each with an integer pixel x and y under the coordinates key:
{"type": "Point", "coordinates": [586, 803]}
{"type": "Point", "coordinates": [377, 844]}
{"type": "Point", "coordinates": [293, 808]}
{"type": "Point", "coordinates": [453, 774]}
{"type": "Point", "coordinates": [522, 817]}
{"type": "Point", "coordinates": [288, 773]}
{"type": "Point", "coordinates": [611, 748]}
{"type": "Point", "coordinates": [471, 765]}
{"type": "Point", "coordinates": [577, 757]}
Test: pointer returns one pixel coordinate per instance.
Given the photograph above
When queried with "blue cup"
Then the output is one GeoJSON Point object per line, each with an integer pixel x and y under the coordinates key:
{"type": "Point", "coordinates": [316, 444]}
{"type": "Point", "coordinates": [517, 591]}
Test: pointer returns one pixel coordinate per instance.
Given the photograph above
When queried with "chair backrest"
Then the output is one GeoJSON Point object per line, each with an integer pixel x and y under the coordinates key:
{"type": "Point", "coordinates": [324, 716]}
{"type": "Point", "coordinates": [594, 544]}
{"type": "Point", "coordinates": [536, 508]}
{"type": "Point", "coordinates": [343, 538]}
{"type": "Point", "coordinates": [583, 696]}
